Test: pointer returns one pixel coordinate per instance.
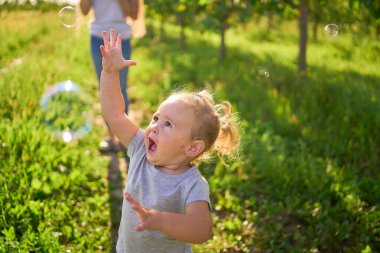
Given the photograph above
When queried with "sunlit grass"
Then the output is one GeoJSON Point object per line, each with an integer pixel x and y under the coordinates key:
{"type": "Point", "coordinates": [307, 177]}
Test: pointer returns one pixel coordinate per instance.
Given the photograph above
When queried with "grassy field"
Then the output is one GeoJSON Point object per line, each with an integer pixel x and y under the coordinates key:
{"type": "Point", "coordinates": [307, 179]}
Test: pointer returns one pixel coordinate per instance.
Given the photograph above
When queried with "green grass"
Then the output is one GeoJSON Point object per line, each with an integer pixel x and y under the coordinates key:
{"type": "Point", "coordinates": [307, 179]}
{"type": "Point", "coordinates": [49, 189]}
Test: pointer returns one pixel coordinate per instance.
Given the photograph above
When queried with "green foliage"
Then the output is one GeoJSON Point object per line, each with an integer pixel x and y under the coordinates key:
{"type": "Point", "coordinates": [300, 185]}
{"type": "Point", "coordinates": [53, 196]}
{"type": "Point", "coordinates": [372, 5]}
{"type": "Point", "coordinates": [31, 26]}
{"type": "Point", "coordinates": [307, 179]}
{"type": "Point", "coordinates": [27, 5]}
{"type": "Point", "coordinates": [48, 193]}
{"type": "Point", "coordinates": [226, 14]}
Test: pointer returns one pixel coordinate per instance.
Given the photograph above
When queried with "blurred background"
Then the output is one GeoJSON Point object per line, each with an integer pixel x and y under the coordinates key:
{"type": "Point", "coordinates": [303, 76]}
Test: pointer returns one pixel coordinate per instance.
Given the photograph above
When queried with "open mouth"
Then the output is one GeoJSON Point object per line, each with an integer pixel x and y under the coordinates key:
{"type": "Point", "coordinates": [152, 145]}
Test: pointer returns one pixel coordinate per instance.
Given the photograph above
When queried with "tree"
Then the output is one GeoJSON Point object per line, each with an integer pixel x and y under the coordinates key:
{"type": "Point", "coordinates": [304, 9]}
{"type": "Point", "coordinates": [373, 6]}
{"type": "Point", "coordinates": [161, 10]}
{"type": "Point", "coordinates": [186, 12]}
{"type": "Point", "coordinates": [222, 14]}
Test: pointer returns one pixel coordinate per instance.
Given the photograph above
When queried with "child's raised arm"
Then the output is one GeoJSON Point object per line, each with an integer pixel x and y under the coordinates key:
{"type": "Point", "coordinates": [111, 99]}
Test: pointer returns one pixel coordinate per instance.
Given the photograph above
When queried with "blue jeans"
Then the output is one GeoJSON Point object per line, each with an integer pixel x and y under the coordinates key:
{"type": "Point", "coordinates": [96, 42]}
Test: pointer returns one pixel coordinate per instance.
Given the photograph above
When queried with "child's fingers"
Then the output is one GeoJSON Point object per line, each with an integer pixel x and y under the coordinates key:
{"type": "Point", "coordinates": [118, 41]}
{"type": "Point", "coordinates": [139, 209]}
{"type": "Point", "coordinates": [103, 50]}
{"type": "Point", "coordinates": [140, 227]}
{"type": "Point", "coordinates": [130, 199]}
{"type": "Point", "coordinates": [128, 63]}
{"type": "Point", "coordinates": [112, 37]}
{"type": "Point", "coordinates": [105, 40]}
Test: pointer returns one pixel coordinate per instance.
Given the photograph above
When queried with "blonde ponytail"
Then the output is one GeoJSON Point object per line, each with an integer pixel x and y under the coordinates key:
{"type": "Point", "coordinates": [228, 139]}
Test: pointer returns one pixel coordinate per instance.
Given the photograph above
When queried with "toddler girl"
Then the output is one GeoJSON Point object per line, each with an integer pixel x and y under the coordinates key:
{"type": "Point", "coordinates": [166, 205]}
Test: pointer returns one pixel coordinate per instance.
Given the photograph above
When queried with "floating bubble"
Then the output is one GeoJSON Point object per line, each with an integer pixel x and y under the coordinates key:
{"type": "Point", "coordinates": [263, 72]}
{"type": "Point", "coordinates": [68, 16]}
{"type": "Point", "coordinates": [67, 136]}
{"type": "Point", "coordinates": [66, 111]}
{"type": "Point", "coordinates": [331, 30]}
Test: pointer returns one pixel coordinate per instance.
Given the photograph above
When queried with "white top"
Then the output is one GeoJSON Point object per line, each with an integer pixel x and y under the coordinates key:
{"type": "Point", "coordinates": [108, 14]}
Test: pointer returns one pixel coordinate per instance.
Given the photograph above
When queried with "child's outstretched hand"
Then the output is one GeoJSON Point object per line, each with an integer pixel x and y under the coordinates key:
{"type": "Point", "coordinates": [113, 59]}
{"type": "Point", "coordinates": [149, 218]}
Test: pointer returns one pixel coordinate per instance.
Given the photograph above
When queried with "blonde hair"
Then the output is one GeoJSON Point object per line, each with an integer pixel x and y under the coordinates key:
{"type": "Point", "coordinates": [215, 124]}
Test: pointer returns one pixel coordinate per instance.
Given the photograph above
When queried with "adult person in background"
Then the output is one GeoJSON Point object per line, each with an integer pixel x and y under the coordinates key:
{"type": "Point", "coordinates": [111, 14]}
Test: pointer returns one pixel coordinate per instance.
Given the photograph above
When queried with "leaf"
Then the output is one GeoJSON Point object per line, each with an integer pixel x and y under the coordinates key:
{"type": "Point", "coordinates": [36, 183]}
{"type": "Point", "coordinates": [34, 207]}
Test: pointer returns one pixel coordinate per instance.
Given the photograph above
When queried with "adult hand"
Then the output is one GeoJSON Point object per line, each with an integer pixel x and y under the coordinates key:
{"type": "Point", "coordinates": [113, 59]}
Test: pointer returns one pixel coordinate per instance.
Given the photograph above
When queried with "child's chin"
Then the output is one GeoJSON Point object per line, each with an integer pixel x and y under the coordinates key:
{"type": "Point", "coordinates": [151, 160]}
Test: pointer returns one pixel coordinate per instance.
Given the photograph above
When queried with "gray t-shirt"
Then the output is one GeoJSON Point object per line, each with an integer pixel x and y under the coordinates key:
{"type": "Point", "coordinates": [160, 191]}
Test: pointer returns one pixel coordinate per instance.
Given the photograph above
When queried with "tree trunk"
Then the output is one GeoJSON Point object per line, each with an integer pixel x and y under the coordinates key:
{"type": "Point", "coordinates": [303, 7]}
{"type": "Point", "coordinates": [315, 14]}
{"type": "Point", "coordinates": [270, 21]}
{"type": "Point", "coordinates": [222, 50]}
{"type": "Point", "coordinates": [315, 27]}
{"type": "Point", "coordinates": [182, 38]}
{"type": "Point", "coordinates": [162, 29]}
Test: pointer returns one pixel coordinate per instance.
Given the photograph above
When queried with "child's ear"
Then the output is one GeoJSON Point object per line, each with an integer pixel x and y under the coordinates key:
{"type": "Point", "coordinates": [196, 148]}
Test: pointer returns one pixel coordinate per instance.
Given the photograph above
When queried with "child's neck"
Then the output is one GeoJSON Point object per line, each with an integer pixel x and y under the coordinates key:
{"type": "Point", "coordinates": [174, 169]}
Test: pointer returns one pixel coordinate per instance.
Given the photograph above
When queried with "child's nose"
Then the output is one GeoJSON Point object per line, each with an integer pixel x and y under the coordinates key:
{"type": "Point", "coordinates": [155, 128]}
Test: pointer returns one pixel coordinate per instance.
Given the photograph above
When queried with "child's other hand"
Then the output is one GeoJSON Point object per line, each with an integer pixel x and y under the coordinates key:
{"type": "Point", "coordinates": [150, 219]}
{"type": "Point", "coordinates": [113, 59]}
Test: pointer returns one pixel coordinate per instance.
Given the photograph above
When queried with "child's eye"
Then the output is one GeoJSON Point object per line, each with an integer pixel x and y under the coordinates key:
{"type": "Point", "coordinates": [168, 124]}
{"type": "Point", "coordinates": [155, 118]}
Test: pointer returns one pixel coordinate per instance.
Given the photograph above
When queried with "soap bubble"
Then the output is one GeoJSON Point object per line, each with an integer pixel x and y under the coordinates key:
{"type": "Point", "coordinates": [68, 16]}
{"type": "Point", "coordinates": [331, 30]}
{"type": "Point", "coordinates": [66, 111]}
{"type": "Point", "coordinates": [263, 72]}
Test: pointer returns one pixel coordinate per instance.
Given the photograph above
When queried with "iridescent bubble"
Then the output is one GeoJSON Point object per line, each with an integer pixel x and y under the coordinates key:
{"type": "Point", "coordinates": [264, 72]}
{"type": "Point", "coordinates": [66, 111]}
{"type": "Point", "coordinates": [67, 136]}
{"type": "Point", "coordinates": [68, 16]}
{"type": "Point", "coordinates": [331, 30]}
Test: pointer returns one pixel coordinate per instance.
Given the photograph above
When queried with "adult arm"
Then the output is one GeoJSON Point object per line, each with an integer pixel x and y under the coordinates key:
{"type": "Point", "coordinates": [130, 8]}
{"type": "Point", "coordinates": [85, 6]}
